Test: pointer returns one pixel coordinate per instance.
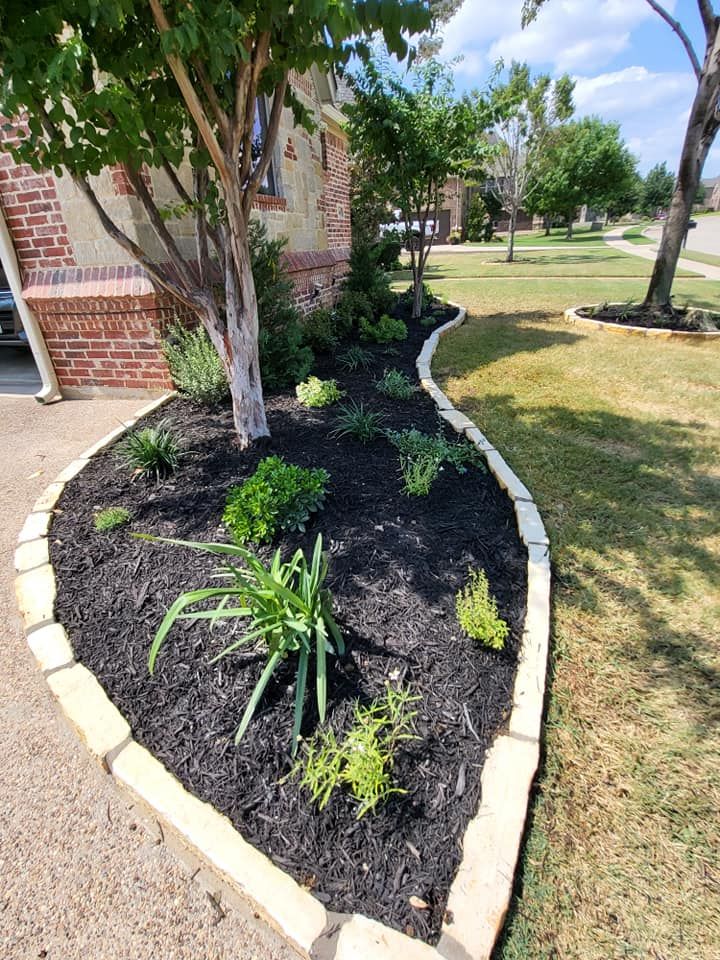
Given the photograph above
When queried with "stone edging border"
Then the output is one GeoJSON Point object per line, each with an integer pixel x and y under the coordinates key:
{"type": "Point", "coordinates": [480, 893]}
{"type": "Point", "coordinates": [572, 316]}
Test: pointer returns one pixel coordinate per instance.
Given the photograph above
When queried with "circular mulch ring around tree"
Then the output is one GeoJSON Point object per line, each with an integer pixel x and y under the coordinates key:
{"type": "Point", "coordinates": [396, 563]}
{"type": "Point", "coordinates": [620, 318]}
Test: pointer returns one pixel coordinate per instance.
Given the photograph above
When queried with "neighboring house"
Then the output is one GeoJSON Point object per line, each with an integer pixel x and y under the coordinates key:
{"type": "Point", "coordinates": [101, 316]}
{"type": "Point", "coordinates": [711, 200]}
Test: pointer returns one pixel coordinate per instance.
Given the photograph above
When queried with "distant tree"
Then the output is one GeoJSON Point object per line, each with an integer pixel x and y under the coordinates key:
{"type": "Point", "coordinates": [657, 190]}
{"type": "Point", "coordinates": [585, 162]}
{"type": "Point", "coordinates": [627, 200]}
{"type": "Point", "coordinates": [528, 111]}
{"type": "Point", "coordinates": [417, 134]}
{"type": "Point", "coordinates": [482, 211]}
{"type": "Point", "coordinates": [441, 12]}
{"type": "Point", "coordinates": [164, 84]}
{"type": "Point", "coordinates": [702, 127]}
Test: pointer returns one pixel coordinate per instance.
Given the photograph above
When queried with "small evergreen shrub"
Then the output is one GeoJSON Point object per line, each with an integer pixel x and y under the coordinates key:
{"type": "Point", "coordinates": [363, 761]}
{"type": "Point", "coordinates": [284, 357]}
{"type": "Point", "coordinates": [385, 330]}
{"type": "Point", "coordinates": [278, 496]}
{"type": "Point", "coordinates": [387, 252]}
{"type": "Point", "coordinates": [477, 612]}
{"type": "Point", "coordinates": [152, 451]}
{"type": "Point", "coordinates": [320, 329]}
{"type": "Point", "coordinates": [352, 308]}
{"type": "Point", "coordinates": [195, 365]}
{"type": "Point", "coordinates": [406, 299]}
{"type": "Point", "coordinates": [396, 385]}
{"type": "Point", "coordinates": [419, 473]}
{"type": "Point", "coordinates": [354, 358]}
{"type": "Point", "coordinates": [111, 518]}
{"type": "Point", "coordinates": [355, 421]}
{"type": "Point", "coordinates": [318, 393]}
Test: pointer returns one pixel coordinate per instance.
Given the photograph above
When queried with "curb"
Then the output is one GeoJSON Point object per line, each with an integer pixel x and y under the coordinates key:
{"type": "Point", "coordinates": [480, 894]}
{"type": "Point", "coordinates": [572, 316]}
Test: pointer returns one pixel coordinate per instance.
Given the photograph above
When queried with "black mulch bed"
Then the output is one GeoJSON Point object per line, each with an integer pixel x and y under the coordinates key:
{"type": "Point", "coordinates": [680, 319]}
{"type": "Point", "coordinates": [395, 565]}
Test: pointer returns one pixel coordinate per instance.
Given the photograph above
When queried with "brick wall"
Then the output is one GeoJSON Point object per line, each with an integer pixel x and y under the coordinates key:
{"type": "Point", "coordinates": [336, 190]}
{"type": "Point", "coordinates": [317, 276]}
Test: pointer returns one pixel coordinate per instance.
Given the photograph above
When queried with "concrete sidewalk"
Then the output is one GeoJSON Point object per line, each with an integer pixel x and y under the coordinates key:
{"type": "Point", "coordinates": [649, 252]}
{"type": "Point", "coordinates": [82, 878]}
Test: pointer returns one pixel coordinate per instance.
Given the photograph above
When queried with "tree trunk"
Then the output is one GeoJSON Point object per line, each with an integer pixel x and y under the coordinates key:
{"type": "Point", "coordinates": [701, 129]}
{"type": "Point", "coordinates": [570, 218]}
{"type": "Point", "coordinates": [512, 222]}
{"type": "Point", "coordinates": [546, 224]}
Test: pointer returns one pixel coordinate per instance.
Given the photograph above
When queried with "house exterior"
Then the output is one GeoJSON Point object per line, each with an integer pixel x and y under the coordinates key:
{"type": "Point", "coordinates": [711, 200]}
{"type": "Point", "coordinates": [101, 316]}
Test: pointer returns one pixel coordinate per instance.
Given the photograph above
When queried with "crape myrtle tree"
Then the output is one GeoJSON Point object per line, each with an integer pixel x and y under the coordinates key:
{"type": "Point", "coordinates": [172, 85]}
{"type": "Point", "coordinates": [702, 127]}
{"type": "Point", "coordinates": [584, 162]}
{"type": "Point", "coordinates": [414, 133]}
{"type": "Point", "coordinates": [528, 111]}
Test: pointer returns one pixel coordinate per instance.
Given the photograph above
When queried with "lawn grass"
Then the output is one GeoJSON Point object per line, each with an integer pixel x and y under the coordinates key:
{"type": "Point", "coordinates": [619, 440]}
{"type": "Point", "coordinates": [701, 257]}
{"type": "Point", "coordinates": [635, 234]}
{"type": "Point", "coordinates": [582, 236]}
{"type": "Point", "coordinates": [603, 262]}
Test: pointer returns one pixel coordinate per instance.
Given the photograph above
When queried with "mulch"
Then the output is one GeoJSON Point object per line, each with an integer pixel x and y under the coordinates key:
{"type": "Point", "coordinates": [396, 563]}
{"type": "Point", "coordinates": [680, 319]}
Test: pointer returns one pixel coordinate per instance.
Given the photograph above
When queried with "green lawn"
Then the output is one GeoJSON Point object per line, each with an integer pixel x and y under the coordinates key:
{"type": "Point", "coordinates": [603, 262]}
{"type": "Point", "coordinates": [582, 236]}
{"type": "Point", "coordinates": [701, 257]}
{"type": "Point", "coordinates": [635, 234]}
{"type": "Point", "coordinates": [619, 439]}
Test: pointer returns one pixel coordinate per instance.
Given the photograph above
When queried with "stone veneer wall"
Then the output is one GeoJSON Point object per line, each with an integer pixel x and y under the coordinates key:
{"type": "Point", "coordinates": [102, 317]}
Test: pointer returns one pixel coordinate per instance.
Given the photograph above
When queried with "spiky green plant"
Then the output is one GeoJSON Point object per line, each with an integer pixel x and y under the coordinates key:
{"type": "Point", "coordinates": [419, 473]}
{"type": "Point", "coordinates": [152, 451]}
{"type": "Point", "coordinates": [355, 358]}
{"type": "Point", "coordinates": [195, 365]}
{"type": "Point", "coordinates": [111, 518]}
{"type": "Point", "coordinates": [355, 421]}
{"type": "Point", "coordinates": [396, 385]}
{"type": "Point", "coordinates": [286, 608]}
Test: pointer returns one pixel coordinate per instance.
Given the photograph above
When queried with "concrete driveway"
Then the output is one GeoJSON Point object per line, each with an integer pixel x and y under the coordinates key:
{"type": "Point", "coordinates": [82, 878]}
{"type": "Point", "coordinates": [705, 237]}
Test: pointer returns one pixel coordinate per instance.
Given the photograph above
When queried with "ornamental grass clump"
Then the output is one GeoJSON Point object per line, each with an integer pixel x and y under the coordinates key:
{"type": "Point", "coordinates": [477, 612]}
{"type": "Point", "coordinates": [355, 358]}
{"type": "Point", "coordinates": [363, 762]}
{"type": "Point", "coordinates": [286, 608]}
{"type": "Point", "coordinates": [396, 385]}
{"type": "Point", "coordinates": [278, 496]}
{"type": "Point", "coordinates": [318, 393]}
{"type": "Point", "coordinates": [355, 421]}
{"type": "Point", "coordinates": [195, 365]}
{"type": "Point", "coordinates": [111, 518]}
{"type": "Point", "coordinates": [419, 473]}
{"type": "Point", "coordinates": [152, 452]}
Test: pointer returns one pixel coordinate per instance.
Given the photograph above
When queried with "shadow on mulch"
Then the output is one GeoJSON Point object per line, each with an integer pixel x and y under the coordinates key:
{"type": "Point", "coordinates": [396, 563]}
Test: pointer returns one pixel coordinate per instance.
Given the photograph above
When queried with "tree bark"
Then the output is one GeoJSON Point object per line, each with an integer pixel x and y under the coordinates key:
{"type": "Point", "coordinates": [699, 136]}
{"type": "Point", "coordinates": [512, 223]}
{"type": "Point", "coordinates": [570, 218]}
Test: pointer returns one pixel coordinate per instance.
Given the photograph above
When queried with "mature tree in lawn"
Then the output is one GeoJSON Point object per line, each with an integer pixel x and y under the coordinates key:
{"type": "Point", "coordinates": [627, 198]}
{"type": "Point", "coordinates": [528, 111]}
{"type": "Point", "coordinates": [419, 134]}
{"type": "Point", "coordinates": [584, 162]}
{"type": "Point", "coordinates": [702, 127]}
{"type": "Point", "coordinates": [658, 188]}
{"type": "Point", "coordinates": [166, 83]}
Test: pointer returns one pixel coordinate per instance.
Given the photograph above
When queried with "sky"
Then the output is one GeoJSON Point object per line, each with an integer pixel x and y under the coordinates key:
{"type": "Point", "coordinates": [627, 63]}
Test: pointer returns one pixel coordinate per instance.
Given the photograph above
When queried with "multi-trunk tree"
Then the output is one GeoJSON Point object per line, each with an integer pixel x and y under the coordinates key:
{"type": "Point", "coordinates": [414, 135]}
{"type": "Point", "coordinates": [175, 86]}
{"type": "Point", "coordinates": [702, 127]}
{"type": "Point", "coordinates": [527, 111]}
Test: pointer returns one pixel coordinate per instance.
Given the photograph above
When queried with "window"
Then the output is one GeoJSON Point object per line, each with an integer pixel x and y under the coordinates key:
{"type": "Point", "coordinates": [269, 183]}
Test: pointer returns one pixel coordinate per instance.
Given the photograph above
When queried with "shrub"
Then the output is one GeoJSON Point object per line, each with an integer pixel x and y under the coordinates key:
{"type": "Point", "coordinates": [278, 496]}
{"type": "Point", "coordinates": [477, 612]}
{"type": "Point", "coordinates": [355, 357]}
{"type": "Point", "coordinates": [284, 358]}
{"type": "Point", "coordinates": [396, 385]}
{"type": "Point", "coordinates": [320, 329]}
{"type": "Point", "coordinates": [364, 761]}
{"type": "Point", "coordinates": [152, 451]}
{"type": "Point", "coordinates": [415, 443]}
{"type": "Point", "coordinates": [419, 473]}
{"type": "Point", "coordinates": [479, 220]}
{"type": "Point", "coordinates": [355, 421]}
{"type": "Point", "coordinates": [385, 330]}
{"type": "Point", "coordinates": [286, 607]}
{"type": "Point", "coordinates": [111, 518]}
{"type": "Point", "coordinates": [455, 237]}
{"type": "Point", "coordinates": [387, 252]}
{"type": "Point", "coordinates": [318, 393]}
{"type": "Point", "coordinates": [352, 308]}
{"type": "Point", "coordinates": [195, 365]}
{"type": "Point", "coordinates": [406, 299]}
